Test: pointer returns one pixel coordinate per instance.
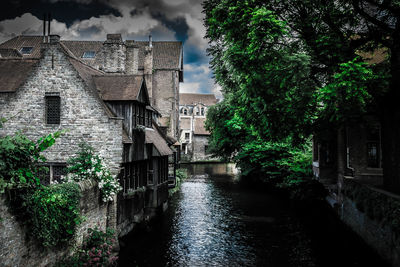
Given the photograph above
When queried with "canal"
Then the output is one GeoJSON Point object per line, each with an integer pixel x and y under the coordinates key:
{"type": "Point", "coordinates": [214, 220]}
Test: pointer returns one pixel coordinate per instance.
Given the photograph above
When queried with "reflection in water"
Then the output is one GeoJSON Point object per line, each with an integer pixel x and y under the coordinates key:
{"type": "Point", "coordinates": [214, 221]}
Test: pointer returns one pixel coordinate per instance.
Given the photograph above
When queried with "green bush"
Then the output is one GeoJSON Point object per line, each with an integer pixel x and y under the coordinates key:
{"type": "Point", "coordinates": [20, 160]}
{"type": "Point", "coordinates": [54, 213]}
{"type": "Point", "coordinates": [86, 165]}
{"type": "Point", "coordinates": [181, 175]}
{"type": "Point", "coordinates": [95, 251]}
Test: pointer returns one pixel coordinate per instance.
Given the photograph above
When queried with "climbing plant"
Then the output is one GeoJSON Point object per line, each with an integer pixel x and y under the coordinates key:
{"type": "Point", "coordinates": [50, 213]}
{"type": "Point", "coordinates": [87, 165]}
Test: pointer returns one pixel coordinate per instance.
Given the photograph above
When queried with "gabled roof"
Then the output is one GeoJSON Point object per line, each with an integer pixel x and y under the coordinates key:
{"type": "Point", "coordinates": [199, 128]}
{"type": "Point", "coordinates": [166, 54]}
{"type": "Point", "coordinates": [119, 87]}
{"type": "Point", "coordinates": [193, 99]}
{"type": "Point", "coordinates": [25, 41]}
{"type": "Point", "coordinates": [13, 73]}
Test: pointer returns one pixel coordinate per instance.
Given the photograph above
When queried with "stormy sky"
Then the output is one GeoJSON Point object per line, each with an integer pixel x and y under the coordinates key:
{"type": "Point", "coordinates": [165, 20]}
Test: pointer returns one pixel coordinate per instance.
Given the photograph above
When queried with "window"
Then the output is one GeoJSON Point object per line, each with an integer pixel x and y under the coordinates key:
{"type": "Point", "coordinates": [52, 172]}
{"type": "Point", "coordinates": [372, 155]}
{"type": "Point", "coordinates": [187, 136]}
{"type": "Point", "coordinates": [134, 175]}
{"type": "Point", "coordinates": [197, 111]}
{"type": "Point", "coordinates": [26, 50]}
{"type": "Point", "coordinates": [183, 149]}
{"type": "Point", "coordinates": [373, 148]}
{"type": "Point", "coordinates": [58, 171]}
{"type": "Point", "coordinates": [88, 54]}
{"type": "Point", "coordinates": [53, 108]}
{"type": "Point", "coordinates": [202, 111]}
{"type": "Point", "coordinates": [185, 111]}
{"type": "Point", "coordinates": [150, 173]}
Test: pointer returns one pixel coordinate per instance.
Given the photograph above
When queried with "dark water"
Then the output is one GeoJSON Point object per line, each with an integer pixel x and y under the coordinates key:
{"type": "Point", "coordinates": [216, 221]}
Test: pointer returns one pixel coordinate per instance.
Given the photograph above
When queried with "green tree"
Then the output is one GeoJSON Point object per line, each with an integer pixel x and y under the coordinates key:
{"type": "Point", "coordinates": [292, 66]}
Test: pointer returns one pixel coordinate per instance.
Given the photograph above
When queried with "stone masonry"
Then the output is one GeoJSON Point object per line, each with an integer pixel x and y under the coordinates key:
{"type": "Point", "coordinates": [82, 112]}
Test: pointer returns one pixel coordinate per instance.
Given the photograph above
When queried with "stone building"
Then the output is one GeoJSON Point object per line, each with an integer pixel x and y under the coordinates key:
{"type": "Point", "coordinates": [105, 94]}
{"type": "Point", "coordinates": [193, 135]}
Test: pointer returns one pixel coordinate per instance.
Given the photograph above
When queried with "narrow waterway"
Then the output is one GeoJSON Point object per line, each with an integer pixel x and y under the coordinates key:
{"type": "Point", "coordinates": [216, 221]}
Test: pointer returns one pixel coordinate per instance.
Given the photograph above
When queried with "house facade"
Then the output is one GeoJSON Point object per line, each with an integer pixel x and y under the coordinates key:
{"type": "Point", "coordinates": [106, 99]}
{"type": "Point", "coordinates": [192, 116]}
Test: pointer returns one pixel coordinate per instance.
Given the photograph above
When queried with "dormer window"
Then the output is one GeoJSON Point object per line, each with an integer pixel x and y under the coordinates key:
{"type": "Point", "coordinates": [26, 50]}
{"type": "Point", "coordinates": [88, 54]}
{"type": "Point", "coordinates": [185, 112]}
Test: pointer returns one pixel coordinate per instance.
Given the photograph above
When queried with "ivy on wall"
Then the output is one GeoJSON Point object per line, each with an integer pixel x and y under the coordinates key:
{"type": "Point", "coordinates": [50, 213]}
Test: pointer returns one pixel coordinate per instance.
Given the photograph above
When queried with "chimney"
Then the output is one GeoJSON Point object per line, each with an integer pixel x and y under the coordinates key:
{"type": "Point", "coordinates": [113, 54]}
{"type": "Point", "coordinates": [54, 39]}
{"type": "Point", "coordinates": [148, 69]}
{"type": "Point", "coordinates": [132, 57]}
{"type": "Point", "coordinates": [48, 28]}
{"type": "Point", "coordinates": [150, 41]}
{"type": "Point", "coordinates": [44, 28]}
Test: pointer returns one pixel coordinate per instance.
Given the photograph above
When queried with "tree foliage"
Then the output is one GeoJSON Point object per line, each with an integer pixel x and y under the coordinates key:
{"type": "Point", "coordinates": [289, 67]}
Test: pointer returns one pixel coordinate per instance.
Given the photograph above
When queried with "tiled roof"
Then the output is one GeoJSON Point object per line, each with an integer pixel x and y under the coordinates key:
{"type": "Point", "coordinates": [13, 73]}
{"type": "Point", "coordinates": [123, 87]}
{"type": "Point", "coordinates": [9, 52]}
{"type": "Point", "coordinates": [185, 123]}
{"type": "Point", "coordinates": [166, 54]}
{"type": "Point", "coordinates": [155, 138]}
{"type": "Point", "coordinates": [192, 99]}
{"type": "Point", "coordinates": [25, 41]}
{"type": "Point", "coordinates": [77, 48]}
{"type": "Point", "coordinates": [199, 128]}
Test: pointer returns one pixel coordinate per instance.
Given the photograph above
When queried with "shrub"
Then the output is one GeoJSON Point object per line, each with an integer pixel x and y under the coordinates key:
{"type": "Point", "coordinates": [87, 165]}
{"type": "Point", "coordinates": [20, 160]}
{"type": "Point", "coordinates": [54, 213]}
{"type": "Point", "coordinates": [95, 251]}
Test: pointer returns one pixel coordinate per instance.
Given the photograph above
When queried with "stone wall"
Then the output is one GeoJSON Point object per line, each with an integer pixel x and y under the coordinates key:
{"type": "Point", "coordinates": [166, 97]}
{"type": "Point", "coordinates": [373, 215]}
{"type": "Point", "coordinates": [18, 250]}
{"type": "Point", "coordinates": [82, 112]}
{"type": "Point", "coordinates": [199, 144]}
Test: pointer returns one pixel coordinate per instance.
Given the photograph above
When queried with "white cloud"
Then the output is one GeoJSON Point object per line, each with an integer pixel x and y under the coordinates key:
{"type": "Point", "coordinates": [189, 87]}
{"type": "Point", "coordinates": [200, 80]}
{"type": "Point", "coordinates": [90, 29]}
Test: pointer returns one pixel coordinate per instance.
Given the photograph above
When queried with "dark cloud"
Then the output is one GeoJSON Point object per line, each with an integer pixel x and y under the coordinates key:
{"type": "Point", "coordinates": [178, 25]}
{"type": "Point", "coordinates": [135, 19]}
{"type": "Point", "coordinates": [63, 11]}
